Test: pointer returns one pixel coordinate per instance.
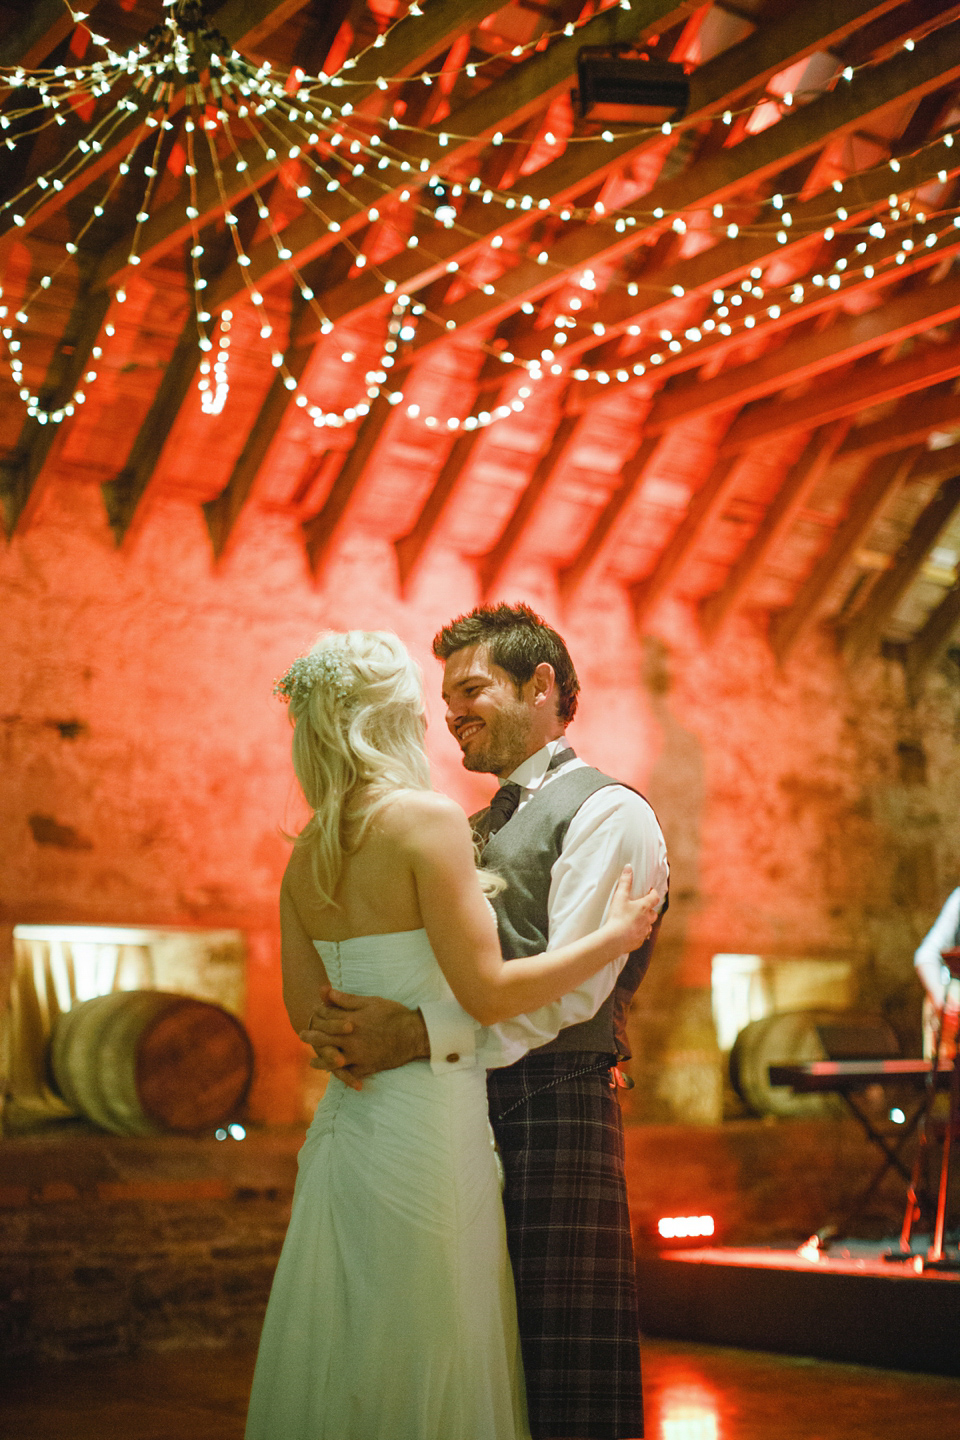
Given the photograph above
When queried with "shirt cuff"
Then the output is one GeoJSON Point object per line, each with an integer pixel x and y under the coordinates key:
{"type": "Point", "coordinates": [452, 1034]}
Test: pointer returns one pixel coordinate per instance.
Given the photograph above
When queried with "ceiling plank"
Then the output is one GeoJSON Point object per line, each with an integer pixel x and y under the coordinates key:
{"type": "Point", "coordinates": [930, 644]}
{"type": "Point", "coordinates": [912, 421]}
{"type": "Point", "coordinates": [729, 261]}
{"type": "Point", "coordinates": [412, 43]}
{"type": "Point", "coordinates": [524, 91]}
{"type": "Point", "coordinates": [704, 507]}
{"type": "Point", "coordinates": [865, 631]}
{"type": "Point", "coordinates": [494, 564]}
{"type": "Point", "coordinates": [805, 357]}
{"type": "Point", "coordinates": [910, 75]}
{"type": "Point", "coordinates": [865, 385]}
{"type": "Point", "coordinates": [44, 24]}
{"type": "Point", "coordinates": [589, 558]}
{"type": "Point", "coordinates": [413, 548]}
{"type": "Point", "coordinates": [238, 19]}
{"type": "Point", "coordinates": [223, 513]}
{"type": "Point", "coordinates": [323, 531]}
{"type": "Point", "coordinates": [793, 494]}
{"type": "Point", "coordinates": [883, 479]}
{"type": "Point", "coordinates": [721, 81]}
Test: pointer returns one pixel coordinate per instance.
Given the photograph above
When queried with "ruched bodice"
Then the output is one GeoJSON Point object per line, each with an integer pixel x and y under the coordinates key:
{"type": "Point", "coordinates": [392, 1315]}
{"type": "Point", "coordinates": [397, 966]}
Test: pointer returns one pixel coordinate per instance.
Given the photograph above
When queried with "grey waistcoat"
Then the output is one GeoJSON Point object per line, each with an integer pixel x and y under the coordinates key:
{"type": "Point", "coordinates": [524, 852]}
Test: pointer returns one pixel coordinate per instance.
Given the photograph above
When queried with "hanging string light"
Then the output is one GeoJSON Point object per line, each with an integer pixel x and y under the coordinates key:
{"type": "Point", "coordinates": [184, 74]}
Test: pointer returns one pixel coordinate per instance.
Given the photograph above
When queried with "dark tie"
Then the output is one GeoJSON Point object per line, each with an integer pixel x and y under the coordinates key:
{"type": "Point", "coordinates": [502, 806]}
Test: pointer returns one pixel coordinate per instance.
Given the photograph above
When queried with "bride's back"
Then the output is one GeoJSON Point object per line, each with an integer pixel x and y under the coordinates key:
{"type": "Point", "coordinates": [376, 894]}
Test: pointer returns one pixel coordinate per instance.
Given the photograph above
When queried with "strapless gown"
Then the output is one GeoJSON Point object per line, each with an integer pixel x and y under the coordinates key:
{"type": "Point", "coordinates": [392, 1314]}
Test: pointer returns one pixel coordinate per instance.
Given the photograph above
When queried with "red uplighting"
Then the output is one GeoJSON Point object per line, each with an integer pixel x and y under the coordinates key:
{"type": "Point", "coordinates": [685, 1227]}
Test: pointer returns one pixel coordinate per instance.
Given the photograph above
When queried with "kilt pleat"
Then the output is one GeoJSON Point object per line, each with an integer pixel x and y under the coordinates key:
{"type": "Point", "coordinates": [560, 1136]}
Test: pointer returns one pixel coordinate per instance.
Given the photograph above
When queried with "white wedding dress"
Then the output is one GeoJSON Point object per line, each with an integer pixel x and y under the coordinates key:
{"type": "Point", "coordinates": [392, 1314]}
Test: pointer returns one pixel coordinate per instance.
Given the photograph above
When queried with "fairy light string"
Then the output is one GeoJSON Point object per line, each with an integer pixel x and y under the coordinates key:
{"type": "Point", "coordinates": [336, 148]}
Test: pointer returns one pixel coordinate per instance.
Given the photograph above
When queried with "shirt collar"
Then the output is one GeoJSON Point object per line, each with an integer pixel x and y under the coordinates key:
{"type": "Point", "coordinates": [530, 773]}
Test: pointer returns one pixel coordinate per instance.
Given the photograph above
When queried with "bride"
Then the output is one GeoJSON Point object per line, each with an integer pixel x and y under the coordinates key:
{"type": "Point", "coordinates": [392, 1313]}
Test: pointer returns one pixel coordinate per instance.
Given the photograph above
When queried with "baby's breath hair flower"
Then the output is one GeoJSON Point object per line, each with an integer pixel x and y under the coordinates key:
{"type": "Point", "coordinates": [323, 667]}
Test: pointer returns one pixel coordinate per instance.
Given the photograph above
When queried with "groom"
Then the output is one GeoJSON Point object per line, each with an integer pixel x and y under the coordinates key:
{"type": "Point", "coordinates": [559, 832]}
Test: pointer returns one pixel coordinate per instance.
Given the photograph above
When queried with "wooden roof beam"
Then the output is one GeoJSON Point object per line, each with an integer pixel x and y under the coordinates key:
{"type": "Point", "coordinates": [930, 644]}
{"type": "Point", "coordinates": [45, 23]}
{"type": "Point", "coordinates": [865, 385]}
{"type": "Point", "coordinates": [589, 558]}
{"type": "Point", "coordinates": [883, 479]}
{"type": "Point", "coordinates": [806, 357]}
{"type": "Point", "coordinates": [723, 80]}
{"type": "Point", "coordinates": [237, 19]}
{"type": "Point", "coordinates": [790, 499]}
{"type": "Point", "coordinates": [822, 405]}
{"type": "Point", "coordinates": [703, 509]}
{"type": "Point", "coordinates": [223, 513]}
{"type": "Point", "coordinates": [866, 629]}
{"type": "Point", "coordinates": [908, 76]}
{"type": "Point", "coordinates": [412, 43]}
{"type": "Point", "coordinates": [494, 564]}
{"type": "Point", "coordinates": [729, 261]}
{"type": "Point", "coordinates": [522, 93]}
{"type": "Point", "coordinates": [323, 532]}
{"type": "Point", "coordinates": [413, 548]}
{"type": "Point", "coordinates": [70, 359]}
{"type": "Point", "coordinates": [911, 422]}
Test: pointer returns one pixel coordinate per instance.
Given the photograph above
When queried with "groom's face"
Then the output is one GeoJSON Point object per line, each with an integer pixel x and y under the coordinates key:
{"type": "Point", "coordinates": [492, 720]}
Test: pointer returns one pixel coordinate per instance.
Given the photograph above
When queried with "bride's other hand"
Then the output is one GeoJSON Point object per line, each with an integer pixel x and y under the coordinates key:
{"type": "Point", "coordinates": [633, 919]}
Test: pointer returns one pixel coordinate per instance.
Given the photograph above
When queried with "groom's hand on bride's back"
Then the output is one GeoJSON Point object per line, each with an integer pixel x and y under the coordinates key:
{"type": "Point", "coordinates": [358, 1035]}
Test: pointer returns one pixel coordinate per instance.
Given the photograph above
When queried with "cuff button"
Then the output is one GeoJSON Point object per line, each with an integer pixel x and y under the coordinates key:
{"type": "Point", "coordinates": [453, 1058]}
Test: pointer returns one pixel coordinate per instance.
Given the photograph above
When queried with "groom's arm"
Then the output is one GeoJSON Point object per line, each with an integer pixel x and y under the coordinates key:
{"type": "Point", "coordinates": [359, 1035]}
{"type": "Point", "coordinates": [613, 828]}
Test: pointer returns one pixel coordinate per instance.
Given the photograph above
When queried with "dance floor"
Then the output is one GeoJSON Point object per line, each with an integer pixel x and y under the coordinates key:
{"type": "Point", "coordinates": [693, 1392]}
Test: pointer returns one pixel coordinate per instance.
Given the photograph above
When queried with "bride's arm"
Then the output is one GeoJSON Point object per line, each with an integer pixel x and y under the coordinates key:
{"type": "Point", "coordinates": [304, 976]}
{"type": "Point", "coordinates": [463, 933]}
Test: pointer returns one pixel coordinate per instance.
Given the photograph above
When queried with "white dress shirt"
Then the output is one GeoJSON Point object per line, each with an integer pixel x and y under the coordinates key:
{"type": "Point", "coordinates": [929, 966]}
{"type": "Point", "coordinates": [613, 828]}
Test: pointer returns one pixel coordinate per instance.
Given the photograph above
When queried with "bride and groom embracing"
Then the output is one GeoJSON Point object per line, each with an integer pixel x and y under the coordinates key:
{"type": "Point", "coordinates": [412, 1301]}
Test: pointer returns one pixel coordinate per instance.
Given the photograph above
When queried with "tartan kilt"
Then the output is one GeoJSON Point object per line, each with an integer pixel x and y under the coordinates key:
{"type": "Point", "coordinates": [560, 1136]}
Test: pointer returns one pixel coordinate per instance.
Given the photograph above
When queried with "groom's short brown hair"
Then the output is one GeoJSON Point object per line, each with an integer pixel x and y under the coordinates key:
{"type": "Point", "coordinates": [518, 640]}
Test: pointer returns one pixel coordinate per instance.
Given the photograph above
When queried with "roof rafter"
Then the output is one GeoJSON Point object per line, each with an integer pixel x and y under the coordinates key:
{"type": "Point", "coordinates": [801, 133]}
{"type": "Point", "coordinates": [865, 630]}
{"type": "Point", "coordinates": [884, 477]}
{"type": "Point", "coordinates": [800, 481]}
{"type": "Point", "coordinates": [493, 565]}
{"type": "Point", "coordinates": [719, 81]}
{"type": "Point", "coordinates": [930, 644]}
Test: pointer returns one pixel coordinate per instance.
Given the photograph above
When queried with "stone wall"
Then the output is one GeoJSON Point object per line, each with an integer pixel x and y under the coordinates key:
{"type": "Point", "coordinates": [147, 782]}
{"type": "Point", "coordinates": [112, 1245]}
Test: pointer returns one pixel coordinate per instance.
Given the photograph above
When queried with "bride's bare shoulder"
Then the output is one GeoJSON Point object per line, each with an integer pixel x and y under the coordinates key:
{"type": "Point", "coordinates": [412, 813]}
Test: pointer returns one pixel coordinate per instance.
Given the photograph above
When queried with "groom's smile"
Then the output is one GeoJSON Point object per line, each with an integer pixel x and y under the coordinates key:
{"type": "Point", "coordinates": [496, 722]}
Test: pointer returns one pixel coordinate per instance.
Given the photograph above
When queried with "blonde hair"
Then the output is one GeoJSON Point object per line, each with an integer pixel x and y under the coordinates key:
{"type": "Point", "coordinates": [356, 703]}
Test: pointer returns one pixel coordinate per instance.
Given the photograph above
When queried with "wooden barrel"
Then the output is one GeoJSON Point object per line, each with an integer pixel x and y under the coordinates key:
{"type": "Point", "coordinates": [144, 1062]}
{"type": "Point", "coordinates": [787, 1039]}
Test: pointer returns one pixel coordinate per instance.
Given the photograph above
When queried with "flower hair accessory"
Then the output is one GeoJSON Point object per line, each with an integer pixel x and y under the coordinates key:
{"type": "Point", "coordinates": [322, 667]}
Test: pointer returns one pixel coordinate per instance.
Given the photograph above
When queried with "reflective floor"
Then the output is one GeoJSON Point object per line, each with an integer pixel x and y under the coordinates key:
{"type": "Point", "coordinates": [693, 1392]}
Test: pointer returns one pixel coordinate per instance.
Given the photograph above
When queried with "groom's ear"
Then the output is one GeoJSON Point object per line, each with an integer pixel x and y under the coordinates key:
{"type": "Point", "coordinates": [544, 684]}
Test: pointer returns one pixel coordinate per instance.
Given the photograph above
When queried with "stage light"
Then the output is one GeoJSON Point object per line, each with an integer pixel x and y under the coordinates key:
{"type": "Point", "coordinates": [897, 1116]}
{"type": "Point", "coordinates": [685, 1227]}
{"type": "Point", "coordinates": [630, 90]}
